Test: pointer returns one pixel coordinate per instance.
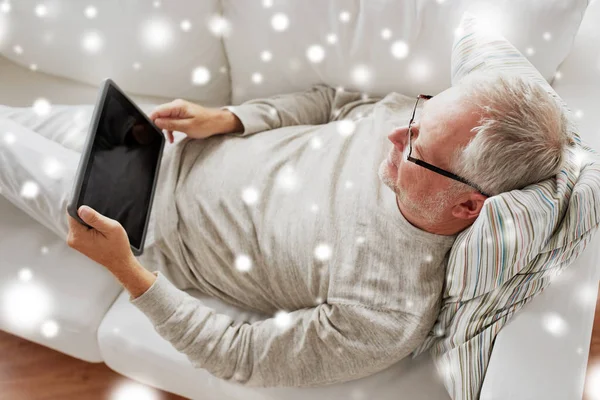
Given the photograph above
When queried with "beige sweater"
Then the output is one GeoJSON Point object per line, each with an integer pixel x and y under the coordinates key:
{"type": "Point", "coordinates": [292, 222]}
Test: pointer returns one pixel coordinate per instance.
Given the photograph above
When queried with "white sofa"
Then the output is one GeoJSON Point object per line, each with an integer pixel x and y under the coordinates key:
{"type": "Point", "coordinates": [96, 322]}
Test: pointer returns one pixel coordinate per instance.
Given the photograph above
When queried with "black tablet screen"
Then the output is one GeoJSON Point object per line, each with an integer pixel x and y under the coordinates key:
{"type": "Point", "coordinates": [122, 165]}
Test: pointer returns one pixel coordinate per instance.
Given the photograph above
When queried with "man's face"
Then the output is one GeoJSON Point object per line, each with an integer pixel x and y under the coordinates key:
{"type": "Point", "coordinates": [445, 125]}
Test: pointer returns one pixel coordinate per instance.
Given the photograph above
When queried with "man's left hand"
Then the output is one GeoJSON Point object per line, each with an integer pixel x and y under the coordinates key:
{"type": "Point", "coordinates": [107, 243]}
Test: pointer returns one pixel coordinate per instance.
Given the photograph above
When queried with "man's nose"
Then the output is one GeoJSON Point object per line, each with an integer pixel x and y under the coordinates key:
{"type": "Point", "coordinates": [398, 137]}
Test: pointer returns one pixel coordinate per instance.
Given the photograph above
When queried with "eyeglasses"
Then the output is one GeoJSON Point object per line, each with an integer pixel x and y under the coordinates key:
{"type": "Point", "coordinates": [430, 167]}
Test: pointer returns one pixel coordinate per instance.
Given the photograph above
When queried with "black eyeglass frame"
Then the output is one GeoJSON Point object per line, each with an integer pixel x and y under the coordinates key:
{"type": "Point", "coordinates": [430, 166]}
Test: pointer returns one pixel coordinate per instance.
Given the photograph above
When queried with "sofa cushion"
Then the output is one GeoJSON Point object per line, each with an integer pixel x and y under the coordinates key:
{"type": "Point", "coordinates": [378, 46]}
{"type": "Point", "coordinates": [122, 34]}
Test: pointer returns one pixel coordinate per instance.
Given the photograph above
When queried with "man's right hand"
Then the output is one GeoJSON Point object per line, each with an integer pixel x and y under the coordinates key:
{"type": "Point", "coordinates": [194, 120]}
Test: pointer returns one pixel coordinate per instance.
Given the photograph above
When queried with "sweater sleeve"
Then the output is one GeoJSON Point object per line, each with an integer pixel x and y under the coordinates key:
{"type": "Point", "coordinates": [319, 105]}
{"type": "Point", "coordinates": [316, 346]}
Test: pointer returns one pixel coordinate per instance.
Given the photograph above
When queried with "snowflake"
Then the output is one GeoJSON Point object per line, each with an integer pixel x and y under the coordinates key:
{"type": "Point", "coordinates": [344, 16]}
{"type": "Point", "coordinates": [250, 195]}
{"type": "Point", "coordinates": [257, 78]}
{"type": "Point", "coordinates": [137, 65]}
{"type": "Point", "coordinates": [579, 114]}
{"type": "Point", "coordinates": [530, 51]}
{"type": "Point", "coordinates": [399, 49]}
{"type": "Point", "coordinates": [219, 26]}
{"type": "Point", "coordinates": [386, 34]}
{"type": "Point", "coordinates": [26, 304]}
{"type": "Point", "coordinates": [50, 329]}
{"type": "Point", "coordinates": [200, 76]}
{"type": "Point", "coordinates": [133, 390]}
{"type": "Point", "coordinates": [361, 75]}
{"type": "Point", "coordinates": [266, 56]}
{"type": "Point", "coordinates": [41, 107]}
{"type": "Point", "coordinates": [33, 67]}
{"type": "Point", "coordinates": [18, 49]}
{"type": "Point", "coordinates": [316, 142]}
{"type": "Point", "coordinates": [349, 184]}
{"type": "Point", "coordinates": [10, 138]}
{"type": "Point", "coordinates": [558, 75]}
{"type": "Point", "coordinates": [420, 70]}
{"type": "Point", "coordinates": [592, 386]}
{"type": "Point", "coordinates": [315, 53]}
{"type": "Point", "coordinates": [323, 252]}
{"type": "Point", "coordinates": [92, 42]}
{"type": "Point", "coordinates": [314, 208]}
{"type": "Point", "coordinates": [332, 38]}
{"type": "Point", "coordinates": [547, 36]}
{"type": "Point", "coordinates": [243, 263]}
{"type": "Point", "coordinates": [157, 33]}
{"type": "Point", "coordinates": [53, 168]}
{"type": "Point", "coordinates": [554, 324]}
{"type": "Point", "coordinates": [30, 189]}
{"type": "Point", "coordinates": [360, 240]}
{"type": "Point", "coordinates": [185, 25]}
{"type": "Point", "coordinates": [587, 294]}
{"type": "Point", "coordinates": [41, 10]}
{"type": "Point", "coordinates": [346, 127]}
{"type": "Point", "coordinates": [287, 178]}
{"type": "Point", "coordinates": [44, 249]}
{"type": "Point", "coordinates": [91, 12]}
{"type": "Point", "coordinates": [283, 319]}
{"type": "Point", "coordinates": [25, 274]}
{"type": "Point", "coordinates": [5, 7]}
{"type": "Point", "coordinates": [280, 22]}
{"type": "Point", "coordinates": [428, 258]}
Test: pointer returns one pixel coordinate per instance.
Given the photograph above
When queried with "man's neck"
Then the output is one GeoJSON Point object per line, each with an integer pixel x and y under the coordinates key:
{"type": "Point", "coordinates": [445, 229]}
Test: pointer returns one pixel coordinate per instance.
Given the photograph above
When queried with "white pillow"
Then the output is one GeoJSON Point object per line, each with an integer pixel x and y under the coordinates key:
{"type": "Point", "coordinates": [358, 42]}
{"type": "Point", "coordinates": [122, 33]}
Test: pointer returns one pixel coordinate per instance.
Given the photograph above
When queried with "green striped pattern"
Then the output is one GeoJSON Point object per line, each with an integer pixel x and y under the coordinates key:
{"type": "Point", "coordinates": [520, 241]}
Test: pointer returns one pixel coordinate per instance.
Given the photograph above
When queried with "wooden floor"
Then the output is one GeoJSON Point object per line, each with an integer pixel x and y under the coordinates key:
{"type": "Point", "coordinates": [29, 371]}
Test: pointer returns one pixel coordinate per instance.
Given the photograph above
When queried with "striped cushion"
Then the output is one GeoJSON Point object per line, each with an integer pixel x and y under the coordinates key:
{"type": "Point", "coordinates": [519, 242]}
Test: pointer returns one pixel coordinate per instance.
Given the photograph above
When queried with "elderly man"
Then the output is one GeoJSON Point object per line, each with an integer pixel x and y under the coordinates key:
{"type": "Point", "coordinates": [331, 213]}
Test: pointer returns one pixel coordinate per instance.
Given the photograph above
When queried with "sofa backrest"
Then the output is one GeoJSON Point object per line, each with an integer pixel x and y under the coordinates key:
{"type": "Point", "coordinates": [379, 46]}
{"type": "Point", "coordinates": [264, 47]}
{"type": "Point", "coordinates": [146, 47]}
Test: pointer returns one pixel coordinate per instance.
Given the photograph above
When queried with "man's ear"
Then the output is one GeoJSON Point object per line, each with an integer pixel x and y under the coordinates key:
{"type": "Point", "coordinates": [470, 207]}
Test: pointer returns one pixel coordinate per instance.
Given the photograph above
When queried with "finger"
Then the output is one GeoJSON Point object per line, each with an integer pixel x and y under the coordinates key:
{"type": "Point", "coordinates": [167, 110]}
{"type": "Point", "coordinates": [168, 135]}
{"type": "Point", "coordinates": [71, 221]}
{"type": "Point", "coordinates": [171, 124]}
{"type": "Point", "coordinates": [96, 220]}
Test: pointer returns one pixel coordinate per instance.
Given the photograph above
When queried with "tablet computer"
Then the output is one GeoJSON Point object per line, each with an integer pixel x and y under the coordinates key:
{"type": "Point", "coordinates": [119, 165]}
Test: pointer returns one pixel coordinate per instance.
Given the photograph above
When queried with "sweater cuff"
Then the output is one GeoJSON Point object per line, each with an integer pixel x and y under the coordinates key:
{"type": "Point", "coordinates": [252, 117]}
{"type": "Point", "coordinates": [160, 301]}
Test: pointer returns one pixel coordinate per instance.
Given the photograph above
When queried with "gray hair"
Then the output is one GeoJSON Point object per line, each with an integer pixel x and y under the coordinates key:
{"type": "Point", "coordinates": [521, 138]}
